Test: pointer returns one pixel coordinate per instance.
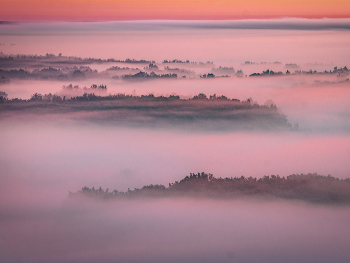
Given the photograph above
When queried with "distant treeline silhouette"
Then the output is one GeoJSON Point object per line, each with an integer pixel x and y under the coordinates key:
{"type": "Point", "coordinates": [308, 187]}
{"type": "Point", "coordinates": [142, 74]}
{"type": "Point", "coordinates": [339, 71]}
{"type": "Point", "coordinates": [52, 58]}
{"type": "Point", "coordinates": [89, 95]}
{"type": "Point", "coordinates": [185, 62]}
{"type": "Point", "coordinates": [217, 113]}
{"type": "Point", "coordinates": [65, 68]}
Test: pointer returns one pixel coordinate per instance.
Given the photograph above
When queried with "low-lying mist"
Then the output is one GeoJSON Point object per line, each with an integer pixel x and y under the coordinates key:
{"type": "Point", "coordinates": [216, 113]}
{"type": "Point", "coordinates": [175, 230]}
{"type": "Point", "coordinates": [310, 187]}
{"type": "Point", "coordinates": [223, 42]}
{"type": "Point", "coordinates": [318, 104]}
{"type": "Point", "coordinates": [45, 160]}
{"type": "Point", "coordinates": [68, 130]}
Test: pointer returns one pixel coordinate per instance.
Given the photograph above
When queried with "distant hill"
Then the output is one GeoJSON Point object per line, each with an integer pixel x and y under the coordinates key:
{"type": "Point", "coordinates": [217, 113]}
{"type": "Point", "coordinates": [308, 187]}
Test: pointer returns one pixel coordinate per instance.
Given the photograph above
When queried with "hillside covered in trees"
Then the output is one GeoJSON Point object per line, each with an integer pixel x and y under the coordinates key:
{"type": "Point", "coordinates": [307, 187]}
{"type": "Point", "coordinates": [200, 111]}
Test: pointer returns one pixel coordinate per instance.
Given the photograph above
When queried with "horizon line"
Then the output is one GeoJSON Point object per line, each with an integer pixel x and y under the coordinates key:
{"type": "Point", "coordinates": [276, 18]}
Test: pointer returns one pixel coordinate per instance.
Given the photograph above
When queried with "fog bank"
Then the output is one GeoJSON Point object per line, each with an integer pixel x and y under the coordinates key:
{"type": "Point", "coordinates": [180, 230]}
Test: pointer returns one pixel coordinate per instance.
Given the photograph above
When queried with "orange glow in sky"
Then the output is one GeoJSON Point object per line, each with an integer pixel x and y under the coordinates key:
{"type": "Point", "coordinates": [103, 10]}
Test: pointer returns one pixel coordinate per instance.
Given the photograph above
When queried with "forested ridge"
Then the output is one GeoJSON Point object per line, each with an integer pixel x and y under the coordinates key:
{"type": "Point", "coordinates": [308, 187]}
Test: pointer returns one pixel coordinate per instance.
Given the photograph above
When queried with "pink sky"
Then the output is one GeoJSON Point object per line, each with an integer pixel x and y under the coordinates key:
{"type": "Point", "coordinates": [113, 10]}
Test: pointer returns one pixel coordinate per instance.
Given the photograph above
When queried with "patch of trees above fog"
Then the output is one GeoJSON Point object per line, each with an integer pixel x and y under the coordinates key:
{"type": "Point", "coordinates": [308, 187]}
{"type": "Point", "coordinates": [215, 113]}
{"type": "Point", "coordinates": [339, 71]}
{"type": "Point", "coordinates": [64, 68]}
{"type": "Point", "coordinates": [60, 59]}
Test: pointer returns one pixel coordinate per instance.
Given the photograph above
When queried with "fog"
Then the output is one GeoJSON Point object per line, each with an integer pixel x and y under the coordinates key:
{"type": "Point", "coordinates": [49, 149]}
{"type": "Point", "coordinates": [142, 40]}
{"type": "Point", "coordinates": [181, 230]}
{"type": "Point", "coordinates": [316, 104]}
{"type": "Point", "coordinates": [50, 160]}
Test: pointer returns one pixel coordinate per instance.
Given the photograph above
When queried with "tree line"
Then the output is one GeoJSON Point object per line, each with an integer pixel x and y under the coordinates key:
{"type": "Point", "coordinates": [308, 187]}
